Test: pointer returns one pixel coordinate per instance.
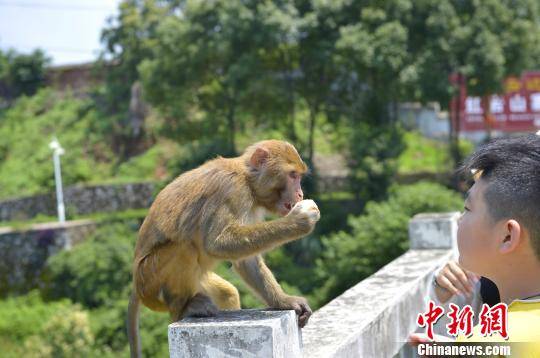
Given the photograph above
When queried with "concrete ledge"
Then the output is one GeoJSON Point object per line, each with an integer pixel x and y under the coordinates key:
{"type": "Point", "coordinates": [244, 333]}
{"type": "Point", "coordinates": [375, 317]}
{"type": "Point", "coordinates": [434, 231]}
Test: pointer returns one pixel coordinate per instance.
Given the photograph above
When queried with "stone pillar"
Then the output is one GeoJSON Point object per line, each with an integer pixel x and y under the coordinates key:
{"type": "Point", "coordinates": [244, 333]}
{"type": "Point", "coordinates": [434, 231]}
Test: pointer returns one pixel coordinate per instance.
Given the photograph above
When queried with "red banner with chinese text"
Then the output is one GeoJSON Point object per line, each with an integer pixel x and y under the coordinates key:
{"type": "Point", "coordinates": [516, 110]}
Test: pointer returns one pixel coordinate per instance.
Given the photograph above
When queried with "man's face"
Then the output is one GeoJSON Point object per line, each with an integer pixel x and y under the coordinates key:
{"type": "Point", "coordinates": [476, 233]}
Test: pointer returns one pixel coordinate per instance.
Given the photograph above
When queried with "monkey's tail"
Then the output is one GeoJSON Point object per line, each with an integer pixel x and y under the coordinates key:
{"type": "Point", "coordinates": [133, 326]}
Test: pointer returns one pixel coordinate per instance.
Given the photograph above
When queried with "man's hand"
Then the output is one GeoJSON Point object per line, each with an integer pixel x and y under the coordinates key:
{"type": "Point", "coordinates": [452, 279]}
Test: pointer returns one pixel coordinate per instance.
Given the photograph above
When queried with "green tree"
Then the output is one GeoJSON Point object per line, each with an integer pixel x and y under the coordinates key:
{"type": "Point", "coordinates": [128, 39]}
{"type": "Point", "coordinates": [318, 32]}
{"type": "Point", "coordinates": [483, 40]}
{"type": "Point", "coordinates": [372, 58]}
{"type": "Point", "coordinates": [210, 70]}
{"type": "Point", "coordinates": [22, 74]}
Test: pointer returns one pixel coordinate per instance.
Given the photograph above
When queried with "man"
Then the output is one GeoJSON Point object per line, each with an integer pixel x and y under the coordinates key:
{"type": "Point", "coordinates": [499, 236]}
{"type": "Point", "coordinates": [499, 233]}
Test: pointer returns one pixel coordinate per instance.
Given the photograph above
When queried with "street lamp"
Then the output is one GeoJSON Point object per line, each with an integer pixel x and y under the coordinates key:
{"type": "Point", "coordinates": [57, 152]}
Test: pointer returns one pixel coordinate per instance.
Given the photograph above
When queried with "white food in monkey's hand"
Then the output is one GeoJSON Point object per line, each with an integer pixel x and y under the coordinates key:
{"type": "Point", "coordinates": [309, 208]}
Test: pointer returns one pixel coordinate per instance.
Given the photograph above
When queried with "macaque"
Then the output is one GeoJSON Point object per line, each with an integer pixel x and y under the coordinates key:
{"type": "Point", "coordinates": [214, 213]}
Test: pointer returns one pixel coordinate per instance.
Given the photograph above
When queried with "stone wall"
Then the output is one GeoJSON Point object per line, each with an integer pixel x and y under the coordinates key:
{"type": "Point", "coordinates": [23, 253]}
{"type": "Point", "coordinates": [80, 200]}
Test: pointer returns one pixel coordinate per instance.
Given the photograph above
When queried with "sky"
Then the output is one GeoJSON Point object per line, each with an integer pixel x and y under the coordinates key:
{"type": "Point", "coordinates": [67, 30]}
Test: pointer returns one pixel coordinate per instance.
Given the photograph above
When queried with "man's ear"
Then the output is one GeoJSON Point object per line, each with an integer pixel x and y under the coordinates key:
{"type": "Point", "coordinates": [511, 239]}
{"type": "Point", "coordinates": [259, 157]}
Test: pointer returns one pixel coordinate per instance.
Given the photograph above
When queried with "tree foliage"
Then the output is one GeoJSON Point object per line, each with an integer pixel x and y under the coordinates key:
{"type": "Point", "coordinates": [21, 74]}
{"type": "Point", "coordinates": [95, 272]}
{"type": "Point", "coordinates": [378, 236]}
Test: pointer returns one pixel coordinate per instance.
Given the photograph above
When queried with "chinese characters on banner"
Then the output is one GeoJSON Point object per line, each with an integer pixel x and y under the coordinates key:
{"type": "Point", "coordinates": [517, 110]}
{"type": "Point", "coordinates": [491, 320]}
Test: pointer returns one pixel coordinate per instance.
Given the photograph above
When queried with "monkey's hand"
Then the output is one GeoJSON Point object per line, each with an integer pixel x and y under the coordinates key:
{"type": "Point", "coordinates": [299, 305]}
{"type": "Point", "coordinates": [305, 213]}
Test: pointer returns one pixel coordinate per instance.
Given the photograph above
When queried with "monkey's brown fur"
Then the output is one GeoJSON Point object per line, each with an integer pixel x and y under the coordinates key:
{"type": "Point", "coordinates": [210, 214]}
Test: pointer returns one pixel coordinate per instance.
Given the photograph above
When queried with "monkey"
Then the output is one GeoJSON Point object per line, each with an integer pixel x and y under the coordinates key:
{"type": "Point", "coordinates": [216, 213]}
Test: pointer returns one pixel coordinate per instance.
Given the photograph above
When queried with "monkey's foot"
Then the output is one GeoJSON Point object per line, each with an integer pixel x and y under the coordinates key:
{"type": "Point", "coordinates": [299, 305]}
{"type": "Point", "coordinates": [201, 306]}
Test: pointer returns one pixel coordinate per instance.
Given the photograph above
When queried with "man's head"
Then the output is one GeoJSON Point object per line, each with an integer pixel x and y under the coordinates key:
{"type": "Point", "coordinates": [502, 211]}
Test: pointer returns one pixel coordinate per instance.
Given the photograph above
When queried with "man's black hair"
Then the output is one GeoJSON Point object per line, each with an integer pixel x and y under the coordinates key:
{"type": "Point", "coordinates": [511, 169]}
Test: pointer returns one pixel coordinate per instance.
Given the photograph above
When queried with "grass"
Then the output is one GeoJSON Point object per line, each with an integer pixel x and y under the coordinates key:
{"type": "Point", "coordinates": [427, 155]}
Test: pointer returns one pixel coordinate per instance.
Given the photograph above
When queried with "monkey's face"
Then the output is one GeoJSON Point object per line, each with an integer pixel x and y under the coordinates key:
{"type": "Point", "coordinates": [276, 171]}
{"type": "Point", "coordinates": [291, 193]}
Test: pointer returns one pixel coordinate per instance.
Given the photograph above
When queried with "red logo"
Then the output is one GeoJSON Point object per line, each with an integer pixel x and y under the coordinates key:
{"type": "Point", "coordinates": [460, 320]}
{"type": "Point", "coordinates": [494, 319]}
{"type": "Point", "coordinates": [491, 320]}
{"type": "Point", "coordinates": [430, 318]}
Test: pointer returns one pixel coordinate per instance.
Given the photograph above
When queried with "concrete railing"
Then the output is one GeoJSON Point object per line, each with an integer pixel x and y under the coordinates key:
{"type": "Point", "coordinates": [371, 319]}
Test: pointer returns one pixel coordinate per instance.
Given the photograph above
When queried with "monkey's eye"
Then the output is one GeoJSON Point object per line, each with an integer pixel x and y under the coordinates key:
{"type": "Point", "coordinates": [293, 175]}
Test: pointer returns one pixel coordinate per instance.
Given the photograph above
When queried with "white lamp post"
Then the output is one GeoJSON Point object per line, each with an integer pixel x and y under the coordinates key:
{"type": "Point", "coordinates": [57, 152]}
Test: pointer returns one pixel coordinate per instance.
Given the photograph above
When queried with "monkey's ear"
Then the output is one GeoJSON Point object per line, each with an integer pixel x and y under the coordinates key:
{"type": "Point", "coordinates": [259, 157]}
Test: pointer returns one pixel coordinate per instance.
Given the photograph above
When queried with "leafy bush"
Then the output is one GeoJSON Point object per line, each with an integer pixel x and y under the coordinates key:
{"type": "Point", "coordinates": [97, 271]}
{"type": "Point", "coordinates": [97, 274]}
{"type": "Point", "coordinates": [23, 316]}
{"type": "Point", "coordinates": [108, 324]}
{"type": "Point", "coordinates": [31, 327]}
{"type": "Point", "coordinates": [378, 236]}
{"type": "Point", "coordinates": [66, 334]}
